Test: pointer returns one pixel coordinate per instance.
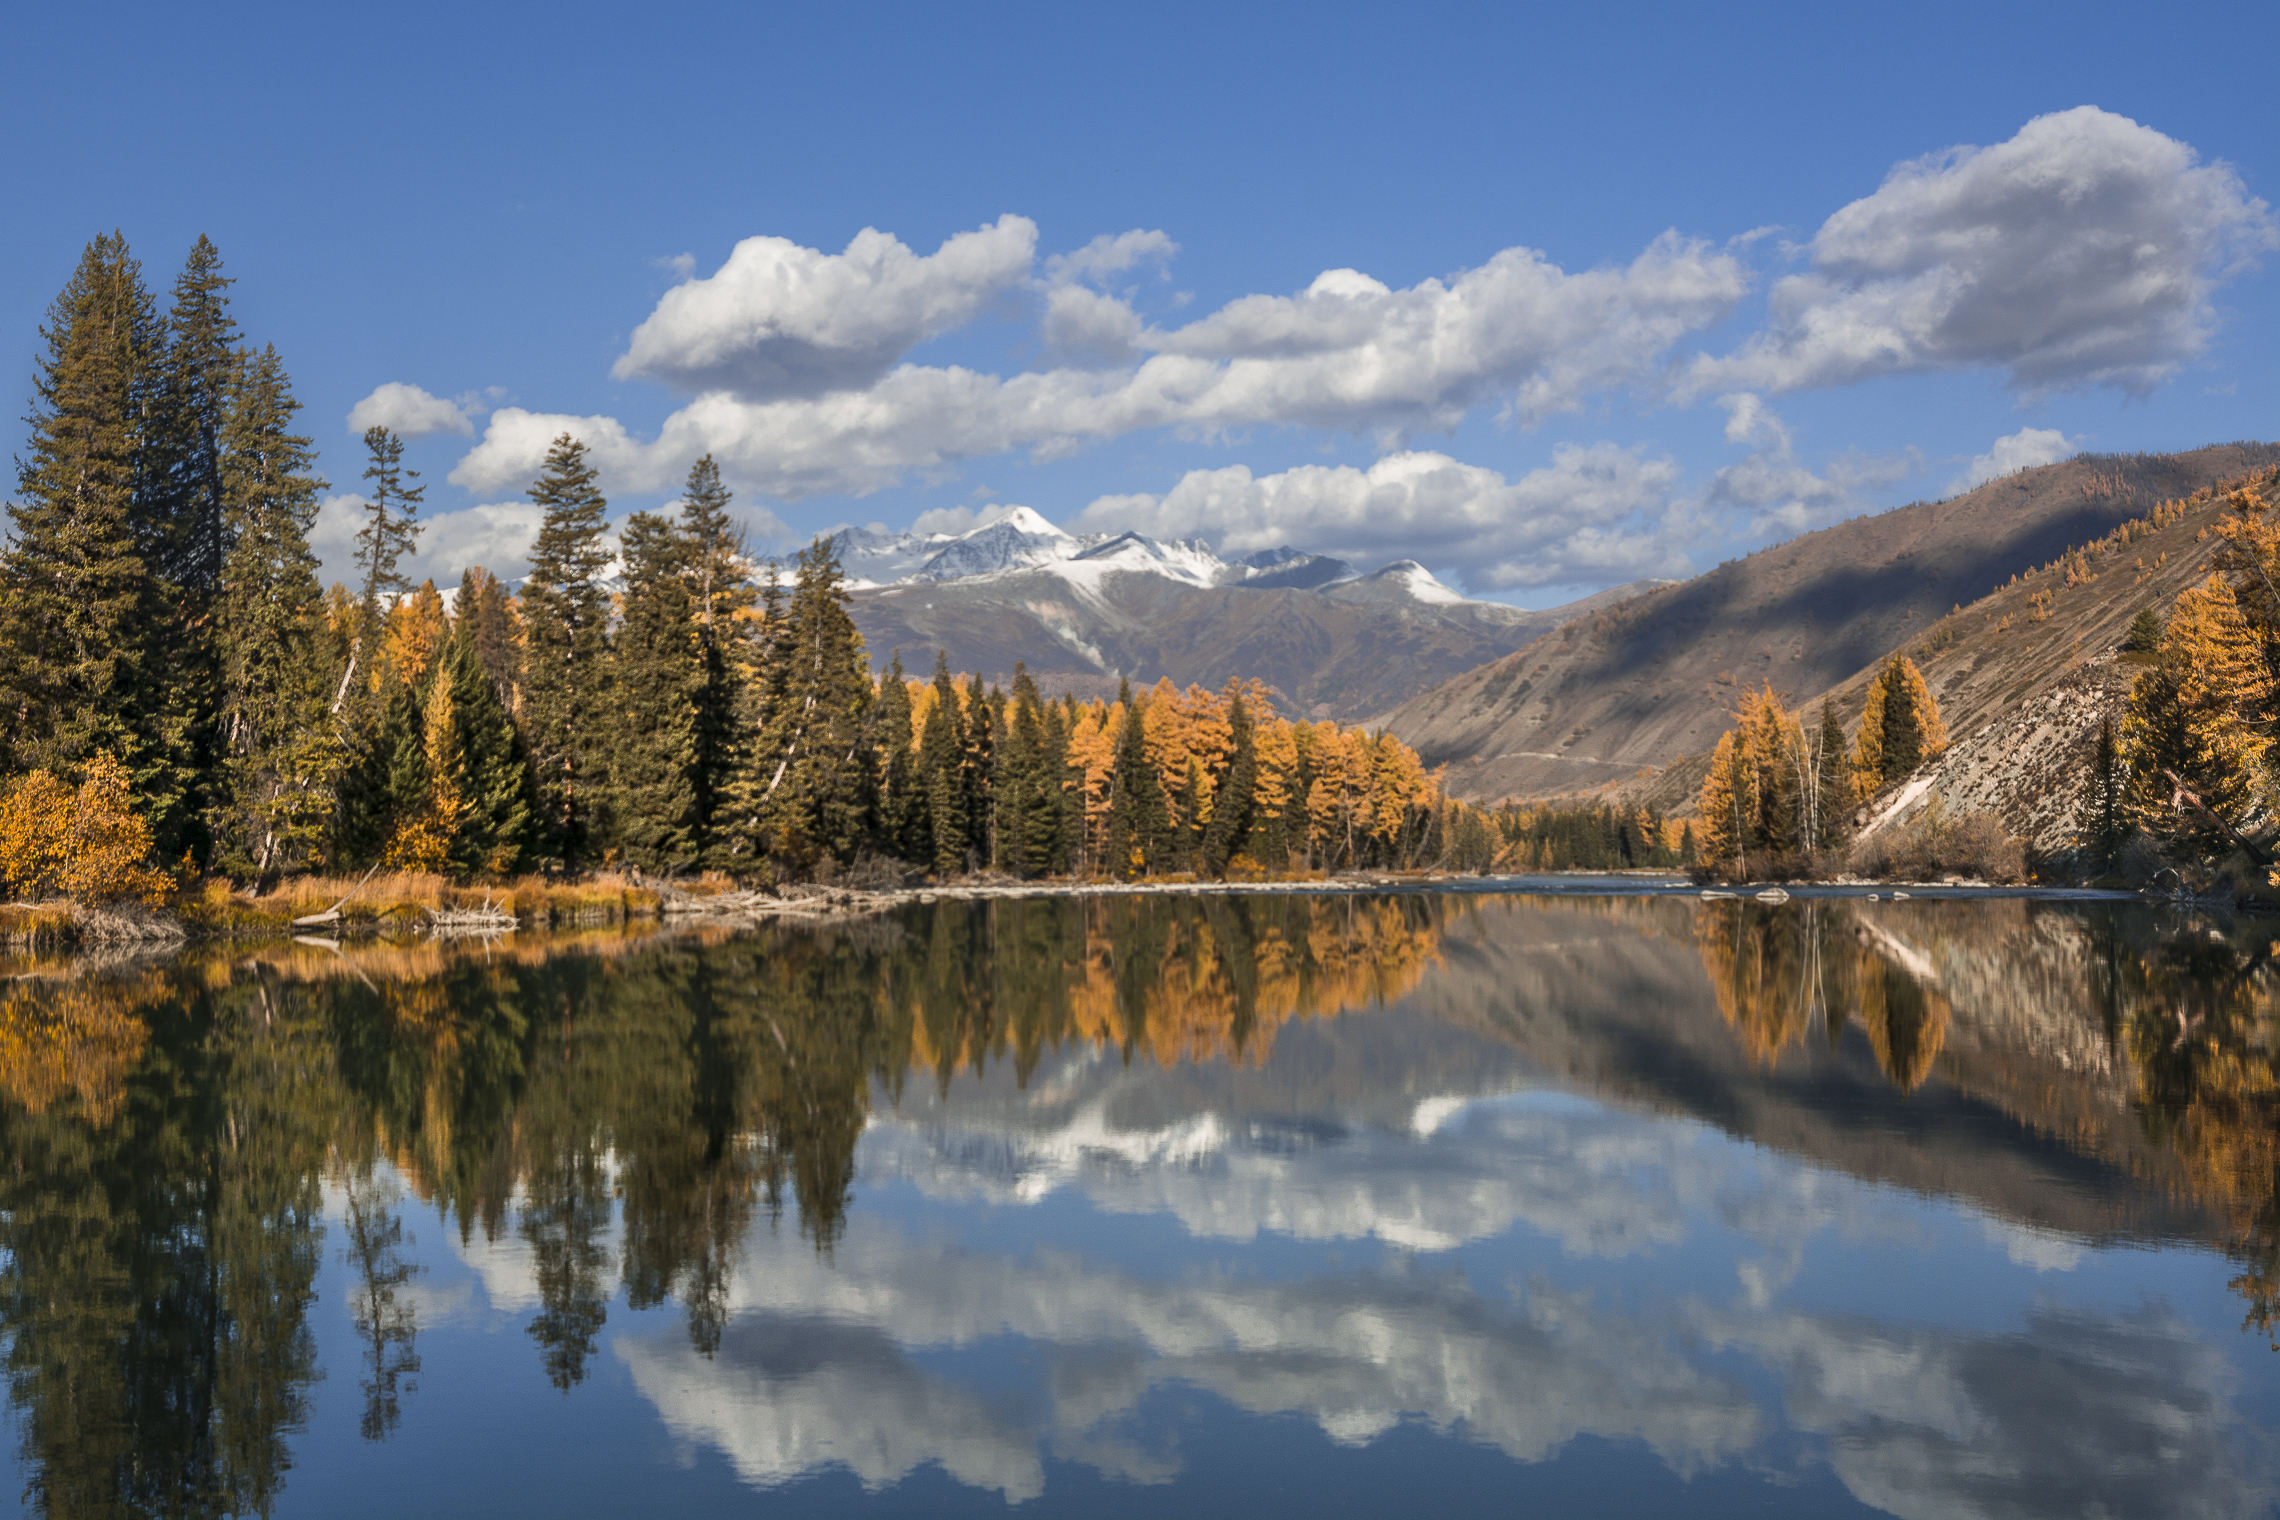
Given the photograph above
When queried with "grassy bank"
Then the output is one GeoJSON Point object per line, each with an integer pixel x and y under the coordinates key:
{"type": "Point", "coordinates": [403, 901]}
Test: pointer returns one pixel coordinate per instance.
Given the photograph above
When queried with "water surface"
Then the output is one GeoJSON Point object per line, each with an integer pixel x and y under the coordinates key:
{"type": "Point", "coordinates": [1196, 1205]}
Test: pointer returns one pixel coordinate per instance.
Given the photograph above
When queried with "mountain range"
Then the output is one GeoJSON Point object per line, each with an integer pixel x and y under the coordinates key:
{"type": "Point", "coordinates": [1084, 611]}
{"type": "Point", "coordinates": [1637, 687]}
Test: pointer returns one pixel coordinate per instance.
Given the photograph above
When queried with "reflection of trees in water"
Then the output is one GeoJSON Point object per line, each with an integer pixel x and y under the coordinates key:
{"type": "Point", "coordinates": [1779, 973]}
{"type": "Point", "coordinates": [158, 1245]}
{"type": "Point", "coordinates": [387, 1325]}
{"type": "Point", "coordinates": [2195, 1009]}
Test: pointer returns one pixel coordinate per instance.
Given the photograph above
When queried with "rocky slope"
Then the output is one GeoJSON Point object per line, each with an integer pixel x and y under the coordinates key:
{"type": "Point", "coordinates": [1646, 684]}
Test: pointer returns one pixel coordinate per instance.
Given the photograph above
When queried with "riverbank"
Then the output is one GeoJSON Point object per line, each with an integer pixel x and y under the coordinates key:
{"type": "Point", "coordinates": [409, 906]}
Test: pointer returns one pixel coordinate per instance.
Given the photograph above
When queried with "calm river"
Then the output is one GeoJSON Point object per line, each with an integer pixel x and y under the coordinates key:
{"type": "Point", "coordinates": [1450, 1205]}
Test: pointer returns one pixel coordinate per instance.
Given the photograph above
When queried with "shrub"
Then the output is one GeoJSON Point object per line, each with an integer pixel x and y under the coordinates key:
{"type": "Point", "coordinates": [88, 844]}
{"type": "Point", "coordinates": [1930, 845]}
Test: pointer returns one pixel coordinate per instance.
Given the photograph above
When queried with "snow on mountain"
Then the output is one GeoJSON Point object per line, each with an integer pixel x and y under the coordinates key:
{"type": "Point", "coordinates": [1403, 580]}
{"type": "Point", "coordinates": [1023, 540]}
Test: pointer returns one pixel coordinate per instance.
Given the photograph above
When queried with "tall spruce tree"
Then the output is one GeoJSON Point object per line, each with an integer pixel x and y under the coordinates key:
{"type": "Point", "coordinates": [718, 572]}
{"type": "Point", "coordinates": [1024, 817]}
{"type": "Point", "coordinates": [658, 674]}
{"type": "Point", "coordinates": [280, 753]}
{"type": "Point", "coordinates": [1833, 782]}
{"type": "Point", "coordinates": [391, 521]}
{"type": "Point", "coordinates": [483, 611]}
{"type": "Point", "coordinates": [565, 615]}
{"type": "Point", "coordinates": [901, 802]}
{"type": "Point", "coordinates": [190, 532]}
{"type": "Point", "coordinates": [942, 766]}
{"type": "Point", "coordinates": [79, 599]}
{"type": "Point", "coordinates": [493, 786]}
{"type": "Point", "coordinates": [1230, 826]}
{"type": "Point", "coordinates": [810, 783]}
{"type": "Point", "coordinates": [1137, 818]}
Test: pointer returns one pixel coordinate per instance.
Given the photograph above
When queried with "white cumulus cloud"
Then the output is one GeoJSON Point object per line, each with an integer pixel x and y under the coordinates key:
{"type": "Point", "coordinates": [409, 412]}
{"type": "Point", "coordinates": [1347, 353]}
{"type": "Point", "coordinates": [1773, 491]}
{"type": "Point", "coordinates": [2022, 450]}
{"type": "Point", "coordinates": [778, 320]}
{"type": "Point", "coordinates": [2082, 252]}
{"type": "Point", "coordinates": [1595, 512]}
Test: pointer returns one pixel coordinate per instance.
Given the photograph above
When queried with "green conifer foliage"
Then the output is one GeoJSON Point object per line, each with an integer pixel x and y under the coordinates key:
{"type": "Point", "coordinates": [942, 764]}
{"type": "Point", "coordinates": [1833, 778]}
{"type": "Point", "coordinates": [901, 802]}
{"type": "Point", "coordinates": [720, 588]}
{"type": "Point", "coordinates": [812, 782]}
{"type": "Point", "coordinates": [196, 378]}
{"type": "Point", "coordinates": [494, 782]}
{"type": "Point", "coordinates": [1063, 806]}
{"type": "Point", "coordinates": [565, 615]}
{"type": "Point", "coordinates": [78, 599]}
{"type": "Point", "coordinates": [1025, 794]}
{"type": "Point", "coordinates": [280, 751]}
{"type": "Point", "coordinates": [483, 609]}
{"type": "Point", "coordinates": [658, 675]}
{"type": "Point", "coordinates": [1138, 821]}
{"type": "Point", "coordinates": [2108, 822]}
{"type": "Point", "coordinates": [1230, 827]}
{"type": "Point", "coordinates": [2144, 636]}
{"type": "Point", "coordinates": [391, 522]}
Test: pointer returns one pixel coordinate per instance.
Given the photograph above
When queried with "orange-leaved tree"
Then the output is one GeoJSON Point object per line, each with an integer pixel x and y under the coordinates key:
{"type": "Point", "coordinates": [86, 842]}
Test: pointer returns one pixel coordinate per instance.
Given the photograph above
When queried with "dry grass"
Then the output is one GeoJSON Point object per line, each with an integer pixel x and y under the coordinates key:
{"type": "Point", "coordinates": [215, 907]}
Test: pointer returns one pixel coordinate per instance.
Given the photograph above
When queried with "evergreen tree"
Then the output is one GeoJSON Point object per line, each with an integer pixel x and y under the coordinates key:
{"type": "Point", "coordinates": [1900, 727]}
{"type": "Point", "coordinates": [810, 785]}
{"type": "Point", "coordinates": [1023, 793]}
{"type": "Point", "coordinates": [280, 750]}
{"type": "Point", "coordinates": [565, 616]}
{"type": "Point", "coordinates": [2108, 822]}
{"type": "Point", "coordinates": [190, 532]}
{"type": "Point", "coordinates": [900, 802]}
{"type": "Point", "coordinates": [658, 676]}
{"type": "Point", "coordinates": [1063, 811]}
{"type": "Point", "coordinates": [2144, 636]}
{"type": "Point", "coordinates": [391, 521]}
{"type": "Point", "coordinates": [78, 596]}
{"type": "Point", "coordinates": [985, 736]}
{"type": "Point", "coordinates": [1833, 781]}
{"type": "Point", "coordinates": [1137, 818]}
{"type": "Point", "coordinates": [1230, 825]}
{"type": "Point", "coordinates": [493, 784]}
{"type": "Point", "coordinates": [942, 763]}
{"type": "Point", "coordinates": [720, 588]}
{"type": "Point", "coordinates": [483, 612]}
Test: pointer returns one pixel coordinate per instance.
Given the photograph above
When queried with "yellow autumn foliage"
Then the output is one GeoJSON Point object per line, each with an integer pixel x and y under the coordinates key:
{"type": "Point", "coordinates": [86, 842]}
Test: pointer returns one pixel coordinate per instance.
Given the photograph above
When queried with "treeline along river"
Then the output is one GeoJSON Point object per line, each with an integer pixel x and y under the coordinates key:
{"type": "Point", "coordinates": [1211, 1204]}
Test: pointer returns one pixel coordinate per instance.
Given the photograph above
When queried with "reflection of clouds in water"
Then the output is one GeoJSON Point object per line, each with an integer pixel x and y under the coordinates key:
{"type": "Point", "coordinates": [785, 1396]}
{"type": "Point", "coordinates": [2132, 1410]}
{"type": "Point", "coordinates": [1356, 1355]}
{"type": "Point", "coordinates": [1600, 1181]}
{"type": "Point", "coordinates": [2043, 1250]}
{"type": "Point", "coordinates": [2080, 1414]}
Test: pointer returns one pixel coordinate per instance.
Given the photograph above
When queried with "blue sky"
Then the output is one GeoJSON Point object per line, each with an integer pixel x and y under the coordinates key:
{"type": "Point", "coordinates": [1659, 336]}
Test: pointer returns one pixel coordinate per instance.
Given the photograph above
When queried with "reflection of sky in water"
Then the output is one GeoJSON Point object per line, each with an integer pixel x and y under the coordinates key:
{"type": "Point", "coordinates": [1020, 1300]}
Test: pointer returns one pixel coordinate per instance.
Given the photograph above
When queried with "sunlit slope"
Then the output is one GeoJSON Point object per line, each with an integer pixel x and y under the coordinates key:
{"type": "Point", "coordinates": [1653, 680]}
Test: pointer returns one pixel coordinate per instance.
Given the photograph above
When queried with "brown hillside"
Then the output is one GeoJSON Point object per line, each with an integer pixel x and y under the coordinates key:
{"type": "Point", "coordinates": [1653, 680]}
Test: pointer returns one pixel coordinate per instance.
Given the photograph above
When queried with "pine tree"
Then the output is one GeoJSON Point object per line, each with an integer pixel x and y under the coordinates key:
{"type": "Point", "coordinates": [720, 587]}
{"type": "Point", "coordinates": [811, 784]}
{"type": "Point", "coordinates": [190, 532]}
{"type": "Point", "coordinates": [483, 612]}
{"type": "Point", "coordinates": [1025, 796]}
{"type": "Point", "coordinates": [494, 779]}
{"type": "Point", "coordinates": [1137, 817]}
{"type": "Point", "coordinates": [658, 676]}
{"type": "Point", "coordinates": [76, 594]}
{"type": "Point", "coordinates": [1231, 805]}
{"type": "Point", "coordinates": [1833, 783]}
{"type": "Point", "coordinates": [2203, 712]}
{"type": "Point", "coordinates": [942, 766]}
{"type": "Point", "coordinates": [1062, 810]}
{"type": "Point", "coordinates": [1900, 727]}
{"type": "Point", "coordinates": [280, 750]}
{"type": "Point", "coordinates": [391, 527]}
{"type": "Point", "coordinates": [900, 800]}
{"type": "Point", "coordinates": [2108, 822]}
{"type": "Point", "coordinates": [565, 616]}
{"type": "Point", "coordinates": [2144, 636]}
